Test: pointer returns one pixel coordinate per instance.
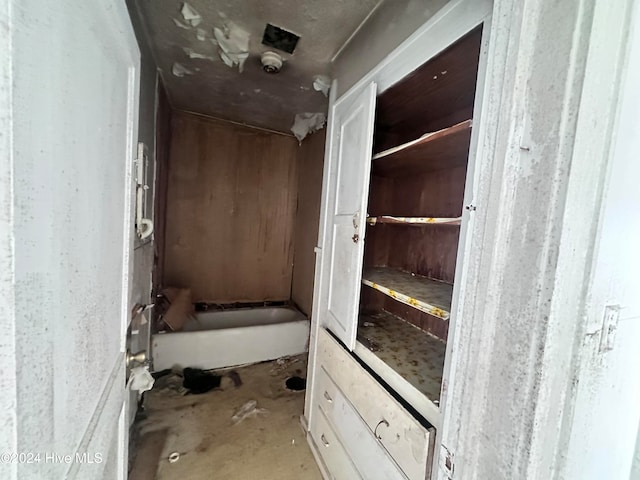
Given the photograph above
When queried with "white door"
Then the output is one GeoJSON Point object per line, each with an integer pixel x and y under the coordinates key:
{"type": "Point", "coordinates": [68, 113]}
{"type": "Point", "coordinates": [346, 211]}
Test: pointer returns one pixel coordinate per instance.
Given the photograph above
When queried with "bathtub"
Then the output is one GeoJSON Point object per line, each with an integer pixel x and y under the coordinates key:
{"type": "Point", "coordinates": [225, 338]}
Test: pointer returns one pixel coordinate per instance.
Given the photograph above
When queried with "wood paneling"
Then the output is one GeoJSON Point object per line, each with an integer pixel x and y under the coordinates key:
{"type": "Point", "coordinates": [230, 211]}
{"type": "Point", "coordinates": [437, 95]}
{"type": "Point", "coordinates": [429, 251]}
{"type": "Point", "coordinates": [310, 165]}
{"type": "Point", "coordinates": [436, 194]}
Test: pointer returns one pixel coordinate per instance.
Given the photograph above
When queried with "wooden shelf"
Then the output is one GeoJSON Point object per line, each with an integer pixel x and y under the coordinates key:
{"type": "Point", "coordinates": [415, 221]}
{"type": "Point", "coordinates": [415, 355]}
{"type": "Point", "coordinates": [445, 148]}
{"type": "Point", "coordinates": [422, 293]}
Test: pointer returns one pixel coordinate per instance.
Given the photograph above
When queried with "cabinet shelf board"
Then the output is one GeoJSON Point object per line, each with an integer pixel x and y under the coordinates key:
{"type": "Point", "coordinates": [444, 148]}
{"type": "Point", "coordinates": [415, 355]}
{"type": "Point", "coordinates": [424, 294]}
{"type": "Point", "coordinates": [415, 221]}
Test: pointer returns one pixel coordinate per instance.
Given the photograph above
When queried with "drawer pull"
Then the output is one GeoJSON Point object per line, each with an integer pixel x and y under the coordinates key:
{"type": "Point", "coordinates": [328, 397]}
{"type": "Point", "coordinates": [324, 440]}
{"type": "Point", "coordinates": [375, 431]}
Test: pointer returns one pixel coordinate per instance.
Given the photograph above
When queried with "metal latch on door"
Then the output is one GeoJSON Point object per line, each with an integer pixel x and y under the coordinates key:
{"type": "Point", "coordinates": [356, 226]}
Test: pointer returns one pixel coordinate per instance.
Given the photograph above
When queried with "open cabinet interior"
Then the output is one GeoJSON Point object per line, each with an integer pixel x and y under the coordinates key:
{"type": "Point", "coordinates": [418, 173]}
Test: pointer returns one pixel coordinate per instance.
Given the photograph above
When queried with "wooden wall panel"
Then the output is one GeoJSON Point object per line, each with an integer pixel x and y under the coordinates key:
{"type": "Point", "coordinates": [310, 165]}
{"type": "Point", "coordinates": [429, 251]}
{"type": "Point", "coordinates": [230, 211]}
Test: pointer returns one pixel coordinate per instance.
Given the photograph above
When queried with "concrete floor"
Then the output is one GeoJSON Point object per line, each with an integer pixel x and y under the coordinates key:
{"type": "Point", "coordinates": [269, 445]}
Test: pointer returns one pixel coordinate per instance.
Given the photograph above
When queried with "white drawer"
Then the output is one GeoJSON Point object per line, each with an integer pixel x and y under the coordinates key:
{"type": "Point", "coordinates": [331, 450]}
{"type": "Point", "coordinates": [369, 457]}
{"type": "Point", "coordinates": [406, 440]}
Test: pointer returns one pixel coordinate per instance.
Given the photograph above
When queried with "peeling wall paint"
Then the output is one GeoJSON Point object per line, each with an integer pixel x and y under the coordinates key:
{"type": "Point", "coordinates": [180, 70]}
{"type": "Point", "coordinates": [234, 44]}
{"type": "Point", "coordinates": [190, 16]}
{"type": "Point", "coordinates": [306, 123]}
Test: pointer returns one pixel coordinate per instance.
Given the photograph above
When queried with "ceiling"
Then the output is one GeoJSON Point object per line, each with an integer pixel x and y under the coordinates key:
{"type": "Point", "coordinates": [208, 86]}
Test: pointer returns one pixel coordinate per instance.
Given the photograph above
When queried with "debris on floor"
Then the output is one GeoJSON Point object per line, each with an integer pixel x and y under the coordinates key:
{"type": "Point", "coordinates": [282, 364]}
{"type": "Point", "coordinates": [249, 409]}
{"type": "Point", "coordinates": [169, 381]}
{"type": "Point", "coordinates": [199, 381]}
{"type": "Point", "coordinates": [140, 379]}
{"type": "Point", "coordinates": [370, 344]}
{"type": "Point", "coordinates": [193, 380]}
{"type": "Point", "coordinates": [199, 427]}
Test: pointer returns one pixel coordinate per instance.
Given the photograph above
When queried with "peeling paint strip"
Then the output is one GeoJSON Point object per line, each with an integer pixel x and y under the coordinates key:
{"type": "Point", "coordinates": [181, 24]}
{"type": "Point", "coordinates": [191, 54]}
{"type": "Point", "coordinates": [180, 70]}
{"type": "Point", "coordinates": [322, 83]}
{"type": "Point", "coordinates": [234, 45]}
{"type": "Point", "coordinates": [190, 15]}
{"type": "Point", "coordinates": [201, 34]}
{"type": "Point", "coordinates": [306, 123]}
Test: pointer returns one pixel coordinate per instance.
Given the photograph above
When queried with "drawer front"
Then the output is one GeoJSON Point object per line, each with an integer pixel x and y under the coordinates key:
{"type": "Point", "coordinates": [406, 440]}
{"type": "Point", "coordinates": [331, 450]}
{"type": "Point", "coordinates": [371, 460]}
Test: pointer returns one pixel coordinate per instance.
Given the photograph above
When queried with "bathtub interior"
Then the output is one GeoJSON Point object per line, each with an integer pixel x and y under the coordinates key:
{"type": "Point", "coordinates": [243, 317]}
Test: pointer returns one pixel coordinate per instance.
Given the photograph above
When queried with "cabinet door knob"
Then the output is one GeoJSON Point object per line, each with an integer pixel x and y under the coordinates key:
{"type": "Point", "coordinates": [324, 440]}
{"type": "Point", "coordinates": [328, 397]}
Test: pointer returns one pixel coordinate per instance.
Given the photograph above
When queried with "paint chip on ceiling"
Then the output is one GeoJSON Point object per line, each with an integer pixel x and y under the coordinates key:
{"type": "Point", "coordinates": [180, 24]}
{"type": "Point", "coordinates": [191, 54]}
{"type": "Point", "coordinates": [180, 70]}
{"type": "Point", "coordinates": [322, 83]}
{"type": "Point", "coordinates": [280, 38]}
{"type": "Point", "coordinates": [234, 44]}
{"type": "Point", "coordinates": [201, 34]}
{"type": "Point", "coordinates": [306, 123]}
{"type": "Point", "coordinates": [190, 15]}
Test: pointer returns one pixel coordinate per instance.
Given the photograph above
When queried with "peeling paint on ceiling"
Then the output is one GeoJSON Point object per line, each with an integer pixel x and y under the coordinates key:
{"type": "Point", "coordinates": [195, 65]}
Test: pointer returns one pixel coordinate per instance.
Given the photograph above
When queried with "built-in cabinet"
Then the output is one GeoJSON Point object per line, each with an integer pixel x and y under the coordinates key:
{"type": "Point", "coordinates": [397, 200]}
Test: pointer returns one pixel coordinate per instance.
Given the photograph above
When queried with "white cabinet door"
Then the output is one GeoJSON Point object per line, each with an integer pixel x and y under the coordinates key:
{"type": "Point", "coordinates": [349, 164]}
